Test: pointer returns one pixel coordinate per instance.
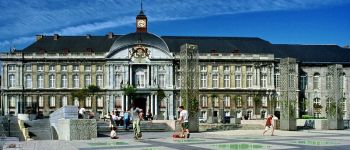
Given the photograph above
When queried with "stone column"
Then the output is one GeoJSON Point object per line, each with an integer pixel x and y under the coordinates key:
{"type": "Point", "coordinates": [171, 107]}
{"type": "Point", "coordinates": [171, 74]}
{"type": "Point", "coordinates": [127, 102]}
{"type": "Point", "coordinates": [156, 104]}
{"type": "Point", "coordinates": [111, 76]}
{"type": "Point", "coordinates": [152, 102]}
{"type": "Point", "coordinates": [130, 75]}
{"type": "Point", "coordinates": [122, 102]}
{"type": "Point", "coordinates": [152, 75]}
{"type": "Point", "coordinates": [107, 76]}
{"type": "Point", "coordinates": [147, 80]}
{"type": "Point", "coordinates": [111, 104]}
{"type": "Point", "coordinates": [147, 104]}
{"type": "Point", "coordinates": [5, 99]}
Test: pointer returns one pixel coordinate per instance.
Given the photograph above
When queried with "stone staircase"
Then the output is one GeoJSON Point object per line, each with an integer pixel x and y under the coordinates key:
{"type": "Point", "coordinates": [146, 126]}
{"type": "Point", "coordinates": [39, 129]}
{"type": "Point", "coordinates": [14, 128]}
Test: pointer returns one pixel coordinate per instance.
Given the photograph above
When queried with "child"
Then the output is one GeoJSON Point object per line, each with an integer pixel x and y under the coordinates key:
{"type": "Point", "coordinates": [114, 133]}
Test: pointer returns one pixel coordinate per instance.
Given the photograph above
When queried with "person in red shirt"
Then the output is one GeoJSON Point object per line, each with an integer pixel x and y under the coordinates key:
{"type": "Point", "coordinates": [268, 125]}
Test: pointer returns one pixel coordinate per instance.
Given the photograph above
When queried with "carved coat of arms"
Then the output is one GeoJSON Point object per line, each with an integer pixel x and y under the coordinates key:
{"type": "Point", "coordinates": [139, 52]}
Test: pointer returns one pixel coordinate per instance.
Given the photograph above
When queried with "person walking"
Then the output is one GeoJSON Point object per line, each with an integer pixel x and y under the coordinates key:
{"type": "Point", "coordinates": [269, 124]}
{"type": "Point", "coordinates": [136, 123]}
{"type": "Point", "coordinates": [183, 119]}
{"type": "Point", "coordinates": [126, 119]}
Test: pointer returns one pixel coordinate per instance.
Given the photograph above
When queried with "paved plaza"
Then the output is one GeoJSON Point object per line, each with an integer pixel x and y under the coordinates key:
{"type": "Point", "coordinates": [223, 140]}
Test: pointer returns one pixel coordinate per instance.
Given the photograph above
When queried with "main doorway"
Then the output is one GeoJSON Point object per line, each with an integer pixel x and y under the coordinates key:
{"type": "Point", "coordinates": [140, 102]}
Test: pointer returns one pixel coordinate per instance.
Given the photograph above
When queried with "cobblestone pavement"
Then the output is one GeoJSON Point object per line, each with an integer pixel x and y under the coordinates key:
{"type": "Point", "coordinates": [223, 140]}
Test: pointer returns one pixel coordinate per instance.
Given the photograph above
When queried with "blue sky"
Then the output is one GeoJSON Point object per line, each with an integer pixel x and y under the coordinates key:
{"type": "Point", "coordinates": [278, 21]}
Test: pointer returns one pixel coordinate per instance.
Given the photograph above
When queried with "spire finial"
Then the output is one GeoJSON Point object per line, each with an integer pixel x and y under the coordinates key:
{"type": "Point", "coordinates": [141, 11]}
{"type": "Point", "coordinates": [141, 6]}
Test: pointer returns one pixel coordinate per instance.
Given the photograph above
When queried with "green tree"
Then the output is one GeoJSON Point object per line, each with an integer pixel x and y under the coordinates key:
{"type": "Point", "coordinates": [129, 90]}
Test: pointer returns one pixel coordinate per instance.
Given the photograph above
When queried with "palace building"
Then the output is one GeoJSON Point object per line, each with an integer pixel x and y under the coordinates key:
{"type": "Point", "coordinates": [238, 76]}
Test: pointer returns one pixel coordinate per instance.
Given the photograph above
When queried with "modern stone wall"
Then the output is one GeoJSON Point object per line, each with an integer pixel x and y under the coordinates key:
{"type": "Point", "coordinates": [76, 129]}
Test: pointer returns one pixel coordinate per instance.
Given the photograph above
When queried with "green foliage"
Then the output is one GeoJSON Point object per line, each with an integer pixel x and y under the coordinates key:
{"type": "Point", "coordinates": [81, 94]}
{"type": "Point", "coordinates": [93, 89]}
{"type": "Point", "coordinates": [129, 90]}
{"type": "Point", "coordinates": [161, 94]}
{"type": "Point", "coordinates": [318, 107]}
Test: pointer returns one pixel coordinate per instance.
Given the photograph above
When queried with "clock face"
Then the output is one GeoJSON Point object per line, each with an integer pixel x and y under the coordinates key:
{"type": "Point", "coordinates": [141, 23]}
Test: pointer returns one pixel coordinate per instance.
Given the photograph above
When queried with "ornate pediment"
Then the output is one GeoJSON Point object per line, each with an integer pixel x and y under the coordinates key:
{"type": "Point", "coordinates": [139, 51]}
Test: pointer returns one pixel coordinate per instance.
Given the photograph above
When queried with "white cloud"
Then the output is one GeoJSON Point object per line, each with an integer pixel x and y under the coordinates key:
{"type": "Point", "coordinates": [25, 18]}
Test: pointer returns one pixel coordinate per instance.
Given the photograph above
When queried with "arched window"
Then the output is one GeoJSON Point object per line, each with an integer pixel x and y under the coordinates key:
{"type": "Point", "coordinates": [317, 81]}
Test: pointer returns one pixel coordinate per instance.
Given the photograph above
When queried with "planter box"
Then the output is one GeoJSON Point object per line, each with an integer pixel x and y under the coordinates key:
{"type": "Point", "coordinates": [288, 125]}
{"type": "Point", "coordinates": [235, 121]}
{"type": "Point", "coordinates": [318, 124]}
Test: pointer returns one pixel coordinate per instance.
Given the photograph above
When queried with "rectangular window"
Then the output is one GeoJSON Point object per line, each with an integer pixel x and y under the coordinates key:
{"type": "Point", "coordinates": [41, 101]}
{"type": "Point", "coordinates": [64, 82]}
{"type": "Point", "coordinates": [250, 101]}
{"type": "Point", "coordinates": [203, 68]}
{"type": "Point", "coordinates": [40, 81]}
{"type": "Point", "coordinates": [88, 102]}
{"type": "Point", "coordinates": [11, 67]}
{"type": "Point", "coordinates": [226, 68]}
{"type": "Point", "coordinates": [226, 81]}
{"type": "Point", "coordinates": [28, 79]}
{"type": "Point", "coordinates": [317, 82]}
{"type": "Point", "coordinates": [204, 101]}
{"type": "Point", "coordinates": [40, 68]}
{"type": "Point", "coordinates": [237, 81]}
{"type": "Point", "coordinates": [75, 67]}
{"type": "Point", "coordinates": [328, 82]}
{"type": "Point", "coordinates": [99, 80]}
{"type": "Point", "coordinates": [263, 81]}
{"type": "Point", "coordinates": [28, 67]}
{"type": "Point", "coordinates": [249, 68]}
{"type": "Point", "coordinates": [118, 80]}
{"type": "Point", "coordinates": [29, 101]}
{"type": "Point", "coordinates": [238, 101]}
{"type": "Point", "coordinates": [277, 80]}
{"type": "Point", "coordinates": [227, 101]}
{"type": "Point", "coordinates": [203, 80]}
{"type": "Point", "coordinates": [264, 69]}
{"type": "Point", "coordinates": [64, 101]}
{"type": "Point", "coordinates": [12, 101]}
{"type": "Point", "coordinates": [52, 101]}
{"type": "Point", "coordinates": [100, 102]}
{"type": "Point", "coordinates": [238, 68]}
{"type": "Point", "coordinates": [264, 101]}
{"type": "Point", "coordinates": [303, 82]}
{"type": "Point", "coordinates": [215, 68]}
{"type": "Point", "coordinates": [12, 80]}
{"type": "Point", "coordinates": [99, 68]}
{"type": "Point", "coordinates": [216, 101]}
{"type": "Point", "coordinates": [75, 81]}
{"type": "Point", "coordinates": [52, 68]}
{"type": "Point", "coordinates": [215, 81]}
{"type": "Point", "coordinates": [64, 68]}
{"type": "Point", "coordinates": [87, 68]}
{"type": "Point", "coordinates": [161, 81]}
{"type": "Point", "coordinates": [249, 81]}
{"type": "Point", "coordinates": [52, 83]}
{"type": "Point", "coordinates": [227, 114]}
{"type": "Point", "coordinates": [87, 80]}
{"type": "Point", "coordinates": [76, 101]}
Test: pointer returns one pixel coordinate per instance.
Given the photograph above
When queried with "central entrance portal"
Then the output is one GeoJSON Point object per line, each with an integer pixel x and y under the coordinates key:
{"type": "Point", "coordinates": [140, 102]}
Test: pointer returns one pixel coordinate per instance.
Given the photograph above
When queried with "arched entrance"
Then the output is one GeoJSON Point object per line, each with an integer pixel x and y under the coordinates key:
{"type": "Point", "coordinates": [140, 102]}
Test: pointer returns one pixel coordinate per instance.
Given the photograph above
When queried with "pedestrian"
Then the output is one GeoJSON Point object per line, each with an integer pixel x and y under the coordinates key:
{"type": "Point", "coordinates": [112, 119]}
{"type": "Point", "coordinates": [136, 123]}
{"type": "Point", "coordinates": [126, 119]}
{"type": "Point", "coordinates": [91, 115]}
{"type": "Point", "coordinates": [183, 119]}
{"type": "Point", "coordinates": [149, 115]}
{"type": "Point", "coordinates": [269, 124]}
{"type": "Point", "coordinates": [82, 112]}
{"type": "Point", "coordinates": [114, 133]}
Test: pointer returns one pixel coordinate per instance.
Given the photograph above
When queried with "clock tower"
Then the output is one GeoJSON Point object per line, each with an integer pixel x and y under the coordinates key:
{"type": "Point", "coordinates": [141, 21]}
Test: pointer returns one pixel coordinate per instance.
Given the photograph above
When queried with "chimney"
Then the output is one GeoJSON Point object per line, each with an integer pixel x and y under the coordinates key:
{"type": "Point", "coordinates": [110, 35]}
{"type": "Point", "coordinates": [88, 36]}
{"type": "Point", "coordinates": [38, 37]}
{"type": "Point", "coordinates": [55, 37]}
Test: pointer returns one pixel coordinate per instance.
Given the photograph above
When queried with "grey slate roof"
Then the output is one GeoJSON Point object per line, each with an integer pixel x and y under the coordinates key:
{"type": "Point", "coordinates": [313, 53]}
{"type": "Point", "coordinates": [71, 43]}
{"type": "Point", "coordinates": [303, 53]}
{"type": "Point", "coordinates": [139, 37]}
{"type": "Point", "coordinates": [220, 44]}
